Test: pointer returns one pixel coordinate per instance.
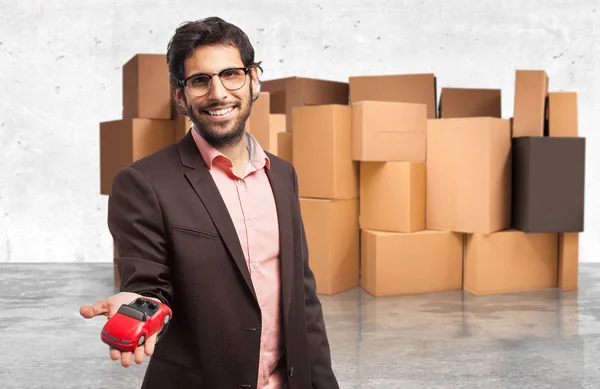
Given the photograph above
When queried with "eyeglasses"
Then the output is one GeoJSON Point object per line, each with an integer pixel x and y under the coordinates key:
{"type": "Point", "coordinates": [232, 79]}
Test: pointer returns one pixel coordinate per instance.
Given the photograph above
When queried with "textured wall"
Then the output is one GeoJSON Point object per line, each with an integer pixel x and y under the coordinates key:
{"type": "Point", "coordinates": [60, 75]}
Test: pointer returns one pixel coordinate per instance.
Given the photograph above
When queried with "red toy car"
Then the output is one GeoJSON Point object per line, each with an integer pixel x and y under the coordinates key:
{"type": "Point", "coordinates": [134, 323]}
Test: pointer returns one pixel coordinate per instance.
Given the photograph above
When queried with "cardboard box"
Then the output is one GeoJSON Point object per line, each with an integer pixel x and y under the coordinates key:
{"type": "Point", "coordinates": [294, 92]}
{"type": "Point", "coordinates": [258, 121]}
{"type": "Point", "coordinates": [531, 93]}
{"type": "Point", "coordinates": [332, 234]}
{"type": "Point", "coordinates": [470, 102]}
{"type": "Point", "coordinates": [548, 184]}
{"type": "Point", "coordinates": [276, 127]}
{"type": "Point", "coordinates": [389, 131]}
{"type": "Point", "coordinates": [468, 175]}
{"type": "Point", "coordinates": [510, 261]}
{"type": "Point", "coordinates": [285, 146]}
{"type": "Point", "coordinates": [263, 125]}
{"type": "Point", "coordinates": [563, 119]}
{"type": "Point", "coordinates": [124, 141]}
{"type": "Point", "coordinates": [146, 87]}
{"type": "Point", "coordinates": [568, 261]}
{"type": "Point", "coordinates": [395, 264]}
{"type": "Point", "coordinates": [322, 152]}
{"type": "Point", "coordinates": [403, 88]}
{"type": "Point", "coordinates": [392, 196]}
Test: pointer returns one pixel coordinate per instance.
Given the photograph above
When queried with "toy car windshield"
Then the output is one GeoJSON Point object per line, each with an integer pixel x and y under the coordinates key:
{"type": "Point", "coordinates": [128, 310]}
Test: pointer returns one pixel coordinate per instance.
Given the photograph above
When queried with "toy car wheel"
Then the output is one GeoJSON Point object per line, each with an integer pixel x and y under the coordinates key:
{"type": "Point", "coordinates": [141, 340]}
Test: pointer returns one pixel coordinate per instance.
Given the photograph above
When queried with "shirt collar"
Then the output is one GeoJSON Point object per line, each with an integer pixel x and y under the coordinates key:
{"type": "Point", "coordinates": [258, 158]}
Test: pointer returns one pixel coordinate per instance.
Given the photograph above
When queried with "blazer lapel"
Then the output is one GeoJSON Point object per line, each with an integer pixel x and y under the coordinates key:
{"type": "Point", "coordinates": [282, 202]}
{"type": "Point", "coordinates": [206, 189]}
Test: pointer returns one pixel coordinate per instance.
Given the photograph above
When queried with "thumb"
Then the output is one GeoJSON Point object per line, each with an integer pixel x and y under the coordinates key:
{"type": "Point", "coordinates": [149, 344]}
{"type": "Point", "coordinates": [96, 309]}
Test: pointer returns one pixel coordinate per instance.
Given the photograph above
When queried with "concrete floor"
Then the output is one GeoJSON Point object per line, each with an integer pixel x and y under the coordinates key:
{"type": "Point", "coordinates": [545, 339]}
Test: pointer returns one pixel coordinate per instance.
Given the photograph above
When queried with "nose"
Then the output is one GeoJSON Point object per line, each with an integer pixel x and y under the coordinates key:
{"type": "Point", "coordinates": [217, 90]}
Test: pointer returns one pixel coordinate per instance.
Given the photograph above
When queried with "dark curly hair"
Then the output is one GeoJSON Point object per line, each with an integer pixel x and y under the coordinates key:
{"type": "Point", "coordinates": [204, 32]}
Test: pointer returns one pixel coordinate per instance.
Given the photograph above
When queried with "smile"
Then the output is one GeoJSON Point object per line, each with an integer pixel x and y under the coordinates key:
{"type": "Point", "coordinates": [220, 112]}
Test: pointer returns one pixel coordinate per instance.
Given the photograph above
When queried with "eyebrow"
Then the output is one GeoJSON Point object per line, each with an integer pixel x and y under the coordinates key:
{"type": "Point", "coordinates": [208, 74]}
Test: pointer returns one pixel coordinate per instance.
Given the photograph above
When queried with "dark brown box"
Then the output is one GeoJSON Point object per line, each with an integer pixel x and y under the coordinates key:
{"type": "Point", "coordinates": [402, 88]}
{"type": "Point", "coordinates": [293, 92]}
{"type": "Point", "coordinates": [548, 184]}
{"type": "Point", "coordinates": [470, 102]}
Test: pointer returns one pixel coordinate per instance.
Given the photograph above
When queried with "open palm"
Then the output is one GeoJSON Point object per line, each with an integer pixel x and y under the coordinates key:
{"type": "Point", "coordinates": [108, 307]}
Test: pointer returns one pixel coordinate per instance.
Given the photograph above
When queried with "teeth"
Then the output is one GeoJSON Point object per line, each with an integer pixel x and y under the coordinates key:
{"type": "Point", "coordinates": [221, 111]}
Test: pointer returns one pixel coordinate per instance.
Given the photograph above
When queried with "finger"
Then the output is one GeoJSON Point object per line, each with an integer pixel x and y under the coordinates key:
{"type": "Point", "coordinates": [98, 308]}
{"type": "Point", "coordinates": [115, 354]}
{"type": "Point", "coordinates": [126, 359]}
{"type": "Point", "coordinates": [138, 355]}
{"type": "Point", "coordinates": [149, 344]}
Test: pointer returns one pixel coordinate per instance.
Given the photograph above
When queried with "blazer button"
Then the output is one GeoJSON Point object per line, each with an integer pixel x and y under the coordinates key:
{"type": "Point", "coordinates": [291, 372]}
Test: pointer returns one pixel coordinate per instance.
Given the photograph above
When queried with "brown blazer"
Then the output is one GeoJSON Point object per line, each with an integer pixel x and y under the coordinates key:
{"type": "Point", "coordinates": [175, 239]}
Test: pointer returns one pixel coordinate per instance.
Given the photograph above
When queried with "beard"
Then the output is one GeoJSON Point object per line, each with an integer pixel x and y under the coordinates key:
{"type": "Point", "coordinates": [221, 134]}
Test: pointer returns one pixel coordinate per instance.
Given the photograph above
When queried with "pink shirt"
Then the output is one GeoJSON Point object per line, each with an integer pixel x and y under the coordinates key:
{"type": "Point", "coordinates": [251, 206]}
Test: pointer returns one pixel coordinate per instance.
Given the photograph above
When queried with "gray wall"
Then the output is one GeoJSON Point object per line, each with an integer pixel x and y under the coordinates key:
{"type": "Point", "coordinates": [60, 72]}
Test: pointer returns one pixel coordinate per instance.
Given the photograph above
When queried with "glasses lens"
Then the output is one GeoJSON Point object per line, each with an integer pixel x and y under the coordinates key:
{"type": "Point", "coordinates": [233, 78]}
{"type": "Point", "coordinates": [199, 85]}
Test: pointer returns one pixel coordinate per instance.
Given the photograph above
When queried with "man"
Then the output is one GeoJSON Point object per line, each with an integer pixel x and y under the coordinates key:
{"type": "Point", "coordinates": [211, 226]}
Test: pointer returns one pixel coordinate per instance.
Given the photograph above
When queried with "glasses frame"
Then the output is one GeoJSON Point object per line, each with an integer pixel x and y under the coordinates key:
{"type": "Point", "coordinates": [246, 70]}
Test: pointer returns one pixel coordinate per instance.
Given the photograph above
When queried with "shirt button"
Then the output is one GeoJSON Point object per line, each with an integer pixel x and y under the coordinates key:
{"type": "Point", "coordinates": [254, 264]}
{"type": "Point", "coordinates": [240, 182]}
{"type": "Point", "coordinates": [249, 222]}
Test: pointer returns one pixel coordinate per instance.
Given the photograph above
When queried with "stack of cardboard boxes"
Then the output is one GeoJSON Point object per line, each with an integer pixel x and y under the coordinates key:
{"type": "Point", "coordinates": [450, 196]}
{"type": "Point", "coordinates": [400, 194]}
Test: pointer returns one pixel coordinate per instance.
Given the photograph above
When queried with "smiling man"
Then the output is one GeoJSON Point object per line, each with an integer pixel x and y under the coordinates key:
{"type": "Point", "coordinates": [211, 226]}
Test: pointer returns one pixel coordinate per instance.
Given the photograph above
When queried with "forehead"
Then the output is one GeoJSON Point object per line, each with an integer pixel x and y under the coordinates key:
{"type": "Point", "coordinates": [212, 59]}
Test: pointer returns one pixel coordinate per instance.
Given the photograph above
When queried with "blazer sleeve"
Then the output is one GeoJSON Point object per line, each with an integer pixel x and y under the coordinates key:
{"type": "Point", "coordinates": [318, 344]}
{"type": "Point", "coordinates": [136, 224]}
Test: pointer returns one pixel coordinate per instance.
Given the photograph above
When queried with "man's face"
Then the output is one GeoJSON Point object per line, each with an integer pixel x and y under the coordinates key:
{"type": "Point", "coordinates": [220, 115]}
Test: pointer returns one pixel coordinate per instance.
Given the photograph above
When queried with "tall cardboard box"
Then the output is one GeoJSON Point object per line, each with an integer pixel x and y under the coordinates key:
{"type": "Point", "coordinates": [568, 261]}
{"type": "Point", "coordinates": [146, 87]}
{"type": "Point", "coordinates": [392, 196]}
{"type": "Point", "coordinates": [322, 152]}
{"type": "Point", "coordinates": [395, 264]}
{"type": "Point", "coordinates": [285, 146]}
{"type": "Point", "coordinates": [468, 175]}
{"type": "Point", "coordinates": [332, 234]}
{"type": "Point", "coordinates": [530, 103]}
{"type": "Point", "coordinates": [403, 88]}
{"type": "Point", "coordinates": [389, 131]}
{"type": "Point", "coordinates": [470, 102]}
{"type": "Point", "coordinates": [510, 261]}
{"type": "Point", "coordinates": [294, 92]}
{"type": "Point", "coordinates": [548, 184]}
{"type": "Point", "coordinates": [563, 114]}
{"type": "Point", "coordinates": [124, 141]}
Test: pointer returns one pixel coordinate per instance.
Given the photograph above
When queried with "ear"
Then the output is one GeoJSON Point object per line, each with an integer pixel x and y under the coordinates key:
{"type": "Point", "coordinates": [180, 102]}
{"type": "Point", "coordinates": [255, 83]}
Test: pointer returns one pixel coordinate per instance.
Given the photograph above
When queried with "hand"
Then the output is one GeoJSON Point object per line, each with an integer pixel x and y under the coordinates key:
{"type": "Point", "coordinates": [108, 307]}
